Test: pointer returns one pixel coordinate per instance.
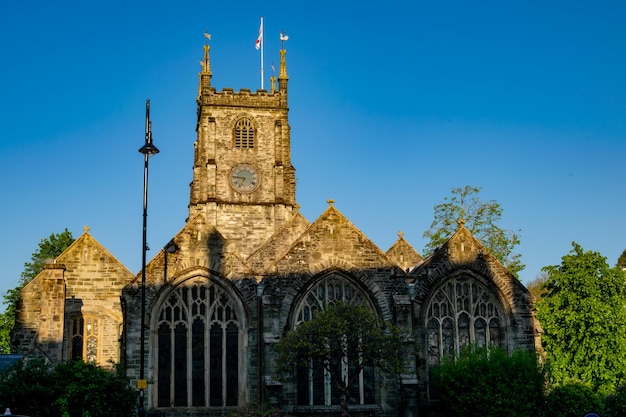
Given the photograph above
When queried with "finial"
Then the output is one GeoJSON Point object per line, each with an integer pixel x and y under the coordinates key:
{"type": "Point", "coordinates": [400, 234]}
{"type": "Point", "coordinates": [273, 80]}
{"type": "Point", "coordinates": [206, 63]}
{"type": "Point", "coordinates": [205, 74]}
{"type": "Point", "coordinates": [283, 63]}
{"type": "Point", "coordinates": [461, 222]}
{"type": "Point", "coordinates": [330, 202]}
{"type": "Point", "coordinates": [86, 229]}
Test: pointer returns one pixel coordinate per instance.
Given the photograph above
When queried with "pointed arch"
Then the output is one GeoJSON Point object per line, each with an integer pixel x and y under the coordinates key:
{"type": "Point", "coordinates": [313, 383]}
{"type": "Point", "coordinates": [201, 332]}
{"type": "Point", "coordinates": [462, 310]}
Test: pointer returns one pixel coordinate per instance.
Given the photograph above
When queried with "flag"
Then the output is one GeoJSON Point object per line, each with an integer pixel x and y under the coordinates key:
{"type": "Point", "coordinates": [260, 38]}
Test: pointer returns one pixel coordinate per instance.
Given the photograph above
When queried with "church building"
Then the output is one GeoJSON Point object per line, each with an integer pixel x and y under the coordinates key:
{"type": "Point", "coordinates": [246, 268]}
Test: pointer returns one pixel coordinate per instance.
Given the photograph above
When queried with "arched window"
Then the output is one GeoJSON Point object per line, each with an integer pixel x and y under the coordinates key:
{"type": "Point", "coordinates": [244, 134]}
{"type": "Point", "coordinates": [461, 312]}
{"type": "Point", "coordinates": [313, 383]}
{"type": "Point", "coordinates": [198, 348]}
{"type": "Point", "coordinates": [84, 338]}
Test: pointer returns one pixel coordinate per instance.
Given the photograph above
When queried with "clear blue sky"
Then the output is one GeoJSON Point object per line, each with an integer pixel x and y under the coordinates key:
{"type": "Point", "coordinates": [392, 105]}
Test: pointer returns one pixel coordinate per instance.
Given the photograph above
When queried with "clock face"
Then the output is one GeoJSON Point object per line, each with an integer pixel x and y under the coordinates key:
{"type": "Point", "coordinates": [244, 178]}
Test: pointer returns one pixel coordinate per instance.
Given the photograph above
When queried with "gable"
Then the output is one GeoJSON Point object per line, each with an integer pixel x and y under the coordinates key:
{"type": "Point", "coordinates": [464, 252]}
{"type": "Point", "coordinates": [404, 254]}
{"type": "Point", "coordinates": [91, 269]}
{"type": "Point", "coordinates": [332, 239]}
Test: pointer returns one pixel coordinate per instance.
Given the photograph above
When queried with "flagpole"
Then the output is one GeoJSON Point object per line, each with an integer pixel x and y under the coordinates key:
{"type": "Point", "coordinates": [262, 48]}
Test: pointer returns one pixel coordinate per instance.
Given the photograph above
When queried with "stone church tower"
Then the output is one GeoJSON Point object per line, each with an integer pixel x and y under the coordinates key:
{"type": "Point", "coordinates": [247, 267]}
{"type": "Point", "coordinates": [243, 180]}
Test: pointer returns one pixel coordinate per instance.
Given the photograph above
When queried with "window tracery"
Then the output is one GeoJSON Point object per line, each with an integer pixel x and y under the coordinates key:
{"type": "Point", "coordinates": [198, 337]}
{"type": "Point", "coordinates": [461, 312]}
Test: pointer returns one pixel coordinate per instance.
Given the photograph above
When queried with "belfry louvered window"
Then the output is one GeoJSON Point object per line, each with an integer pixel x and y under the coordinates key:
{"type": "Point", "coordinates": [198, 348]}
{"type": "Point", "coordinates": [244, 134]}
{"type": "Point", "coordinates": [462, 312]}
{"type": "Point", "coordinates": [313, 382]}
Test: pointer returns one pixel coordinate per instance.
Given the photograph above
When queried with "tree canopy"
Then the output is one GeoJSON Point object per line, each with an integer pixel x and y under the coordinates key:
{"type": "Point", "coordinates": [481, 219]}
{"type": "Point", "coordinates": [48, 248]}
{"type": "Point", "coordinates": [342, 333]}
{"type": "Point", "coordinates": [621, 261]}
{"type": "Point", "coordinates": [584, 321]}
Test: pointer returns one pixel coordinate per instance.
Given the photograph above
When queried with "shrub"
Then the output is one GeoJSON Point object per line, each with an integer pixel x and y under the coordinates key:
{"type": "Point", "coordinates": [69, 389]}
{"type": "Point", "coordinates": [490, 383]}
{"type": "Point", "coordinates": [572, 400]}
{"type": "Point", "coordinates": [28, 388]}
{"type": "Point", "coordinates": [616, 403]}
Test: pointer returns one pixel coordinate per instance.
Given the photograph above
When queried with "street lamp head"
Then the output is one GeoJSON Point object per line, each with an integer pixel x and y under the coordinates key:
{"type": "Point", "coordinates": [149, 149]}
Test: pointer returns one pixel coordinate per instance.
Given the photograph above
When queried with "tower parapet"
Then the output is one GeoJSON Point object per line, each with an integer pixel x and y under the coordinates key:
{"type": "Point", "coordinates": [243, 98]}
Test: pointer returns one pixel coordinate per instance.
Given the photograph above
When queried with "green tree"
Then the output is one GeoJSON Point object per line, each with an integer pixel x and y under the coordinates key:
{"type": "Point", "coordinates": [584, 321]}
{"type": "Point", "coordinates": [491, 383]}
{"type": "Point", "coordinates": [536, 286]}
{"type": "Point", "coordinates": [49, 248]}
{"type": "Point", "coordinates": [481, 219]}
{"type": "Point", "coordinates": [69, 389]}
{"type": "Point", "coordinates": [342, 333]}
{"type": "Point", "coordinates": [621, 261]}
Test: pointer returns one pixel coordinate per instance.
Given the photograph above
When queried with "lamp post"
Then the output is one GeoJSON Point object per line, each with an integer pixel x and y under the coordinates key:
{"type": "Point", "coordinates": [148, 149]}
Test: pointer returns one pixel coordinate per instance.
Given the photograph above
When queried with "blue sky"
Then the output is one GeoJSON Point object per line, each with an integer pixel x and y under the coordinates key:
{"type": "Point", "coordinates": [392, 105]}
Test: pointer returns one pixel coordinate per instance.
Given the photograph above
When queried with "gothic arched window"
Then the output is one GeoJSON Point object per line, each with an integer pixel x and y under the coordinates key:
{"type": "Point", "coordinates": [198, 348]}
{"type": "Point", "coordinates": [244, 134]}
{"type": "Point", "coordinates": [313, 383]}
{"type": "Point", "coordinates": [84, 338]}
{"type": "Point", "coordinates": [461, 312]}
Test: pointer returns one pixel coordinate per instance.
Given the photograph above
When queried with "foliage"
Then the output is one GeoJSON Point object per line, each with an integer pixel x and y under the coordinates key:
{"type": "Point", "coordinates": [258, 410]}
{"type": "Point", "coordinates": [616, 403]}
{"type": "Point", "coordinates": [28, 388]}
{"type": "Point", "coordinates": [584, 321]}
{"type": "Point", "coordinates": [481, 219]}
{"type": "Point", "coordinates": [491, 383]}
{"type": "Point", "coordinates": [49, 248]}
{"type": "Point", "coordinates": [536, 286]}
{"type": "Point", "coordinates": [572, 400]}
{"type": "Point", "coordinates": [69, 389]}
{"type": "Point", "coordinates": [342, 332]}
{"type": "Point", "coordinates": [621, 261]}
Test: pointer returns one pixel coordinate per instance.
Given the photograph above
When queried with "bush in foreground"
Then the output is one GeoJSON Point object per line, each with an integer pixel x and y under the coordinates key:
{"type": "Point", "coordinates": [491, 383]}
{"type": "Point", "coordinates": [572, 400]}
{"type": "Point", "coordinates": [69, 389]}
